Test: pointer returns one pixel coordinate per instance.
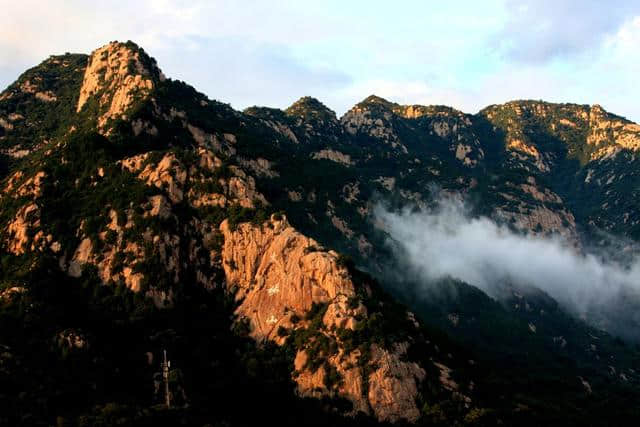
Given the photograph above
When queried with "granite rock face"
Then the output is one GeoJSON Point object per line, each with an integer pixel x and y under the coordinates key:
{"type": "Point", "coordinates": [116, 75]}
{"type": "Point", "coordinates": [278, 275]}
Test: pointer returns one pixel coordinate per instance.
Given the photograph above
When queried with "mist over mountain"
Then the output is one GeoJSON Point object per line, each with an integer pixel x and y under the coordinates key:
{"type": "Point", "coordinates": [447, 241]}
{"type": "Point", "coordinates": [298, 268]}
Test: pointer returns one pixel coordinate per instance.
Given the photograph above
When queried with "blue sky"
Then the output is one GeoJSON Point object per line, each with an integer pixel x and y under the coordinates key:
{"type": "Point", "coordinates": [467, 54]}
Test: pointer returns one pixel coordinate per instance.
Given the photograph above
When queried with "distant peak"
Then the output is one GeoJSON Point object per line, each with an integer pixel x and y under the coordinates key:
{"type": "Point", "coordinates": [536, 108]}
{"type": "Point", "coordinates": [308, 102]}
{"type": "Point", "coordinates": [309, 107]}
{"type": "Point", "coordinates": [414, 111]}
{"type": "Point", "coordinates": [374, 99]}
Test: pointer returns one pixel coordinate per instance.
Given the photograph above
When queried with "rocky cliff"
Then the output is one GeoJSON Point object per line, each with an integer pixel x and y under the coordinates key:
{"type": "Point", "coordinates": [279, 276]}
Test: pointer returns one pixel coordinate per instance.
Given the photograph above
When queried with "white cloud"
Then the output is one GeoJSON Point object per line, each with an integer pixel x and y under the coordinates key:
{"type": "Point", "coordinates": [542, 30]}
{"type": "Point", "coordinates": [622, 46]}
{"type": "Point", "coordinates": [247, 73]}
{"type": "Point", "coordinates": [448, 242]}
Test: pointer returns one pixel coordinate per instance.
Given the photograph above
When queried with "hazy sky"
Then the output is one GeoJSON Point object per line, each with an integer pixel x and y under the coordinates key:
{"type": "Point", "coordinates": [466, 54]}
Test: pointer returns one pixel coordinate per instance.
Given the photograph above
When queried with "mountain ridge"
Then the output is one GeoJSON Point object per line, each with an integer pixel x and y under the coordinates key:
{"type": "Point", "coordinates": [141, 186]}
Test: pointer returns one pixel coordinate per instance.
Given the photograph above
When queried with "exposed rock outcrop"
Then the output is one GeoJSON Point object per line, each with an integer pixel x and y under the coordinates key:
{"type": "Point", "coordinates": [607, 130]}
{"type": "Point", "coordinates": [278, 276]}
{"type": "Point", "coordinates": [172, 176]}
{"type": "Point", "coordinates": [167, 174]}
{"type": "Point", "coordinates": [334, 156]}
{"type": "Point", "coordinates": [117, 75]}
{"type": "Point", "coordinates": [278, 272]}
{"type": "Point", "coordinates": [21, 228]}
{"type": "Point", "coordinates": [394, 385]}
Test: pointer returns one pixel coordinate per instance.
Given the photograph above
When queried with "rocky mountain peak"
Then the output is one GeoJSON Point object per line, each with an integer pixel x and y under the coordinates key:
{"type": "Point", "coordinates": [377, 104]}
{"type": "Point", "coordinates": [117, 75]}
{"type": "Point", "coordinates": [310, 108]}
{"type": "Point", "coordinates": [374, 103]}
{"type": "Point", "coordinates": [597, 109]}
{"type": "Point", "coordinates": [375, 99]}
{"type": "Point", "coordinates": [39, 104]}
{"type": "Point", "coordinates": [587, 132]}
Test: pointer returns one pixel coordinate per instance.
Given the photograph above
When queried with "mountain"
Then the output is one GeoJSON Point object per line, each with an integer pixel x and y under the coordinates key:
{"type": "Point", "coordinates": [138, 216]}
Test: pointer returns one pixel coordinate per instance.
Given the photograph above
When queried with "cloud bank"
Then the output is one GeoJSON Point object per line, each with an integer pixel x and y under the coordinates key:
{"type": "Point", "coordinates": [542, 30]}
{"type": "Point", "coordinates": [447, 242]}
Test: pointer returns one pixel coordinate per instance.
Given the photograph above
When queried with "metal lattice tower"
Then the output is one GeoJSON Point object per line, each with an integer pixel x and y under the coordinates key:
{"type": "Point", "coordinates": [166, 364]}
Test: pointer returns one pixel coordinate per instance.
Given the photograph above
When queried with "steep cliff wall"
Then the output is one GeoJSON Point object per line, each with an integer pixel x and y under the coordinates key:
{"type": "Point", "coordinates": [285, 284]}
